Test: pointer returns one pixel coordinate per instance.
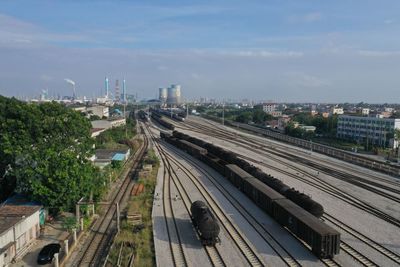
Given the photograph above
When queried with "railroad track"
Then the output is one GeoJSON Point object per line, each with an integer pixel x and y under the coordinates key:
{"type": "Point", "coordinates": [359, 257]}
{"type": "Point", "coordinates": [371, 243]}
{"type": "Point", "coordinates": [212, 252]}
{"type": "Point", "coordinates": [281, 251]}
{"type": "Point", "coordinates": [175, 243]}
{"type": "Point", "coordinates": [102, 232]}
{"type": "Point", "coordinates": [357, 180]}
{"type": "Point", "coordinates": [258, 227]}
{"type": "Point", "coordinates": [337, 193]}
{"type": "Point", "coordinates": [349, 199]}
{"type": "Point", "coordinates": [328, 188]}
{"type": "Point", "coordinates": [231, 229]}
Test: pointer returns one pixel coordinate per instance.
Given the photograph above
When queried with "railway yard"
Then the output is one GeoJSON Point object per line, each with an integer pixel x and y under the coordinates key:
{"type": "Point", "coordinates": [362, 205]}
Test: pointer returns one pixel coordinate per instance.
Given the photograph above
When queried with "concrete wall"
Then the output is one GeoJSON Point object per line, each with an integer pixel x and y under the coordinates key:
{"type": "Point", "coordinates": [6, 238]}
{"type": "Point", "coordinates": [27, 230]}
{"type": "Point", "coordinates": [23, 233]}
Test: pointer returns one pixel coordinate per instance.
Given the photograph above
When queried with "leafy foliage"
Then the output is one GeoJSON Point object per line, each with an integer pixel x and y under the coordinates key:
{"type": "Point", "coordinates": [244, 117]}
{"type": "Point", "coordinates": [118, 135]}
{"type": "Point", "coordinates": [43, 154]}
{"type": "Point", "coordinates": [325, 126]}
{"type": "Point", "coordinates": [151, 158]}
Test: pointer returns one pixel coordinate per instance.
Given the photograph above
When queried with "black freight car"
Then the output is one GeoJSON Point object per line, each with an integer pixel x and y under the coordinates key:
{"type": "Point", "coordinates": [323, 239]}
{"type": "Point", "coordinates": [214, 162]}
{"type": "Point", "coordinates": [161, 121]}
{"type": "Point", "coordinates": [303, 200]}
{"type": "Point", "coordinates": [192, 149]}
{"type": "Point", "coordinates": [205, 223]}
{"type": "Point", "coordinates": [263, 196]}
{"type": "Point", "coordinates": [165, 135]}
{"type": "Point", "coordinates": [236, 175]}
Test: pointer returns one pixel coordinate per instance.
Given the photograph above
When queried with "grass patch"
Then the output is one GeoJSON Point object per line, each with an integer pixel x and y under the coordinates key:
{"type": "Point", "coordinates": [141, 242]}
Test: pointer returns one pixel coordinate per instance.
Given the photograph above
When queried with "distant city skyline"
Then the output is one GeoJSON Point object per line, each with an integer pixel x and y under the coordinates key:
{"type": "Point", "coordinates": [287, 51]}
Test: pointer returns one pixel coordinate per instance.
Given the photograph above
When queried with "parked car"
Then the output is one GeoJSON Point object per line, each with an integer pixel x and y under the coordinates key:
{"type": "Point", "coordinates": [46, 255]}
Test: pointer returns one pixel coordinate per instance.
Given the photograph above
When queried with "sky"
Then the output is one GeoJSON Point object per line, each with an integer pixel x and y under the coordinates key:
{"type": "Point", "coordinates": [286, 51]}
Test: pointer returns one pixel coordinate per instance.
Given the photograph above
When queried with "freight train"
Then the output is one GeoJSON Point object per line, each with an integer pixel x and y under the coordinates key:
{"type": "Point", "coordinates": [177, 115]}
{"type": "Point", "coordinates": [158, 118]}
{"type": "Point", "coordinates": [297, 197]}
{"type": "Point", "coordinates": [205, 223]}
{"type": "Point", "coordinates": [143, 116]}
{"type": "Point", "coordinates": [323, 240]}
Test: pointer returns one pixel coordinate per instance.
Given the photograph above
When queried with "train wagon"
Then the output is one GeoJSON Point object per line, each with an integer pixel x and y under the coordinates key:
{"type": "Point", "coordinates": [236, 175]}
{"type": "Point", "coordinates": [323, 239]}
{"type": "Point", "coordinates": [165, 135]}
{"type": "Point", "coordinates": [263, 196]}
{"type": "Point", "coordinates": [192, 149]}
{"type": "Point", "coordinates": [205, 222]}
{"type": "Point", "coordinates": [214, 162]}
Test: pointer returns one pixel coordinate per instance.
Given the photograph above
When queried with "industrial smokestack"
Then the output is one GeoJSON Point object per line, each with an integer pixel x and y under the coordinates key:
{"type": "Point", "coordinates": [71, 82]}
{"type": "Point", "coordinates": [117, 95]}
{"type": "Point", "coordinates": [124, 90]}
{"type": "Point", "coordinates": [106, 85]}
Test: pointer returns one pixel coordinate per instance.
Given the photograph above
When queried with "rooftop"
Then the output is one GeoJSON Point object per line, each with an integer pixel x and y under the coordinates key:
{"type": "Point", "coordinates": [119, 157]}
{"type": "Point", "coordinates": [12, 214]}
{"type": "Point", "coordinates": [8, 222]}
{"type": "Point", "coordinates": [17, 210]}
{"type": "Point", "coordinates": [109, 153]}
{"type": "Point", "coordinates": [93, 130]}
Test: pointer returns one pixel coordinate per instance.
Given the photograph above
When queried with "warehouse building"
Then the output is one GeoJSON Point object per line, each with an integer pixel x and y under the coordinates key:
{"type": "Point", "coordinates": [372, 130]}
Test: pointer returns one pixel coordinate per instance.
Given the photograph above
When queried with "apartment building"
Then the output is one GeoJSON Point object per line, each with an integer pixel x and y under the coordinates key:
{"type": "Point", "coordinates": [374, 130]}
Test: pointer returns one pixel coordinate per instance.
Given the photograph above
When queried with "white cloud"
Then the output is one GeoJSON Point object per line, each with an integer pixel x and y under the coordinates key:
{"type": "Point", "coordinates": [304, 80]}
{"type": "Point", "coordinates": [389, 21]}
{"type": "Point", "coordinates": [16, 32]}
{"type": "Point", "coordinates": [311, 17]}
{"type": "Point", "coordinates": [264, 54]}
{"type": "Point", "coordinates": [372, 53]}
{"type": "Point", "coordinates": [306, 18]}
{"type": "Point", "coordinates": [46, 78]}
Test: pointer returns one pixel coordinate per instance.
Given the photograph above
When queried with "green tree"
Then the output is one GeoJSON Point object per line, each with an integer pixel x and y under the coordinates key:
{"type": "Point", "coordinates": [43, 154]}
{"type": "Point", "coordinates": [259, 116]}
{"type": "Point", "coordinates": [244, 117]}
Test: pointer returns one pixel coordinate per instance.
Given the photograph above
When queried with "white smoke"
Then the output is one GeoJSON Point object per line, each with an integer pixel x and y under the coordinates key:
{"type": "Point", "coordinates": [69, 81]}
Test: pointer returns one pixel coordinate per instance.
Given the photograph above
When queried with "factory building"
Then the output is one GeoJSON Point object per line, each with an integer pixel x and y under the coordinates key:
{"type": "Point", "coordinates": [163, 94]}
{"type": "Point", "coordinates": [174, 95]}
{"type": "Point", "coordinates": [372, 130]}
{"type": "Point", "coordinates": [171, 95]}
{"type": "Point", "coordinates": [101, 111]}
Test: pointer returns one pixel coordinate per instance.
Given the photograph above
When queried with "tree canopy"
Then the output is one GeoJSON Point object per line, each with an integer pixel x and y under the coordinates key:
{"type": "Point", "coordinates": [43, 154]}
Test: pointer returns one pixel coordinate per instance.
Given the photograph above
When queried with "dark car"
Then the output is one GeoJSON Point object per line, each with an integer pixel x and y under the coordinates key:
{"type": "Point", "coordinates": [47, 253]}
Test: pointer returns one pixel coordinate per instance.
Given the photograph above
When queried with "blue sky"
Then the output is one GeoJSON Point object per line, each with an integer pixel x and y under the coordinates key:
{"type": "Point", "coordinates": [328, 51]}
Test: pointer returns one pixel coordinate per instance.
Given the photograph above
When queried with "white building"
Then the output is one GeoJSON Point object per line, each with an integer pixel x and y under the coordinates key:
{"type": "Point", "coordinates": [365, 111]}
{"type": "Point", "coordinates": [270, 108]}
{"type": "Point", "coordinates": [19, 227]}
{"type": "Point", "coordinates": [107, 124]}
{"type": "Point", "coordinates": [337, 110]}
{"type": "Point", "coordinates": [373, 130]}
{"type": "Point", "coordinates": [101, 111]}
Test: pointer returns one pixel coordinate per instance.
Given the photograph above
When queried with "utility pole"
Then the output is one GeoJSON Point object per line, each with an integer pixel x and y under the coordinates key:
{"type": "Point", "coordinates": [398, 152]}
{"type": "Point", "coordinates": [118, 215]}
{"type": "Point", "coordinates": [126, 124]}
{"type": "Point", "coordinates": [187, 109]}
{"type": "Point", "coordinates": [223, 112]}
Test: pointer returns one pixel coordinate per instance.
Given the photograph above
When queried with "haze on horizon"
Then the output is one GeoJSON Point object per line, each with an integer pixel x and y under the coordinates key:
{"type": "Point", "coordinates": [287, 51]}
